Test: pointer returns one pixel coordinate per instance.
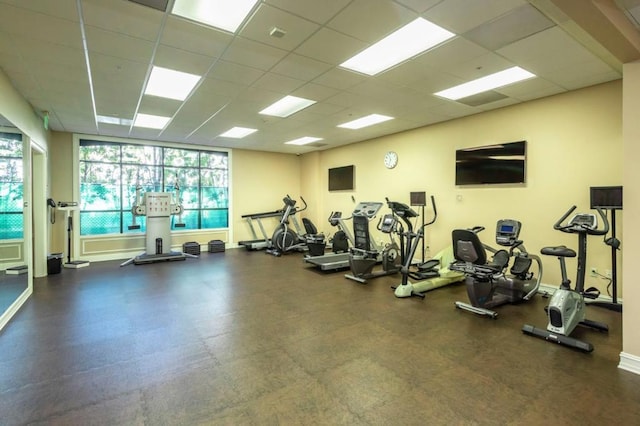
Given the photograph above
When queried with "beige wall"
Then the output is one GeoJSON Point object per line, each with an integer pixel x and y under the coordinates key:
{"type": "Point", "coordinates": [260, 182]}
{"type": "Point", "coordinates": [574, 141]}
{"type": "Point", "coordinates": [631, 243]}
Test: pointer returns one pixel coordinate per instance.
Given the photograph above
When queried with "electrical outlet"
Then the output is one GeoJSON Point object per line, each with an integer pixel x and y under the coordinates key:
{"type": "Point", "coordinates": [607, 273]}
{"type": "Point", "coordinates": [594, 272]}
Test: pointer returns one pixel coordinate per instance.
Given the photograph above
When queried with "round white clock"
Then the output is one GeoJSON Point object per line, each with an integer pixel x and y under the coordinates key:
{"type": "Point", "coordinates": [390, 160]}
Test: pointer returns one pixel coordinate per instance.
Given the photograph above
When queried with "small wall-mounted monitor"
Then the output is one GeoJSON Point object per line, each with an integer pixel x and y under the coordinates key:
{"type": "Point", "coordinates": [342, 178]}
{"type": "Point", "coordinates": [606, 197]}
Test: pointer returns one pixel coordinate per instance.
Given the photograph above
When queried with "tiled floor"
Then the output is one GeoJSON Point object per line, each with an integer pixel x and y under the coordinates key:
{"type": "Point", "coordinates": [244, 338]}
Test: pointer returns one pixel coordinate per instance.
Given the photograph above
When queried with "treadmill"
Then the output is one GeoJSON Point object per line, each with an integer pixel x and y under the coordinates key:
{"type": "Point", "coordinates": [257, 243]}
{"type": "Point", "coordinates": [338, 261]}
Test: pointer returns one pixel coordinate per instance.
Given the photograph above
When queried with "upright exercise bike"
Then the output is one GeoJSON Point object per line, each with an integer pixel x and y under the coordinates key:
{"type": "Point", "coordinates": [566, 309]}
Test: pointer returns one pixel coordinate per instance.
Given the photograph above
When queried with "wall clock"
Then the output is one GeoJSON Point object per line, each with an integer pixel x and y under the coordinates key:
{"type": "Point", "coordinates": [390, 160]}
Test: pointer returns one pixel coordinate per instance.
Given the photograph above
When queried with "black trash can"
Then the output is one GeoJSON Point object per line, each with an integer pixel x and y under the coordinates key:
{"type": "Point", "coordinates": [54, 263]}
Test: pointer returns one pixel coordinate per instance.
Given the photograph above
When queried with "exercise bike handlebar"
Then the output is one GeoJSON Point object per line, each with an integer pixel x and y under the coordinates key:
{"type": "Point", "coordinates": [558, 225]}
{"type": "Point", "coordinates": [572, 229]}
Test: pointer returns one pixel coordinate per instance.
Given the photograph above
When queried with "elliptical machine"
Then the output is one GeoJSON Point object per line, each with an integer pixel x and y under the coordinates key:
{"type": "Point", "coordinates": [285, 239]}
{"type": "Point", "coordinates": [567, 307]}
{"type": "Point", "coordinates": [488, 283]}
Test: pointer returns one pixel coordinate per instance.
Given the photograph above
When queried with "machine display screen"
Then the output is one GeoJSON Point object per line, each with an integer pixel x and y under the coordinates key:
{"type": "Point", "coordinates": [507, 229]}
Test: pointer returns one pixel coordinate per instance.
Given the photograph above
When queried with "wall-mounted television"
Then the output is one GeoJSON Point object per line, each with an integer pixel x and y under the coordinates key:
{"type": "Point", "coordinates": [491, 164]}
{"type": "Point", "coordinates": [342, 178]}
{"type": "Point", "coordinates": [606, 197]}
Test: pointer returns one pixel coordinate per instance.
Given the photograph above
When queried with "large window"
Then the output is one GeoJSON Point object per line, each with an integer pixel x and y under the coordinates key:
{"type": "Point", "coordinates": [11, 186]}
{"type": "Point", "coordinates": [110, 173]}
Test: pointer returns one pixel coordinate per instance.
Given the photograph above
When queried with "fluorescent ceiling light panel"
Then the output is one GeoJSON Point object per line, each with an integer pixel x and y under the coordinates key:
{"type": "Point", "coordinates": [171, 84]}
{"type": "Point", "coordinates": [287, 106]}
{"type": "Point", "coordinates": [303, 140]}
{"type": "Point", "coordinates": [368, 120]}
{"type": "Point", "coordinates": [224, 14]}
{"type": "Point", "coordinates": [489, 82]}
{"type": "Point", "coordinates": [151, 121]}
{"type": "Point", "coordinates": [410, 40]}
{"type": "Point", "coordinates": [238, 132]}
{"type": "Point", "coordinates": [114, 120]}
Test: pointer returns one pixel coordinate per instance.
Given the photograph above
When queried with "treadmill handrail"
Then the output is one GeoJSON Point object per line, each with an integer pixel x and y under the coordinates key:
{"type": "Point", "coordinates": [261, 215]}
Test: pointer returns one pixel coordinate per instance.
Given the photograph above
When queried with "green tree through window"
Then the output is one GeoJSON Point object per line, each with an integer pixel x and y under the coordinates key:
{"type": "Point", "coordinates": [110, 173]}
{"type": "Point", "coordinates": [11, 186]}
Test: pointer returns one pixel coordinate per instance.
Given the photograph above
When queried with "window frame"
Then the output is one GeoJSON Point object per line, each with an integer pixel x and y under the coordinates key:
{"type": "Point", "coordinates": [159, 144]}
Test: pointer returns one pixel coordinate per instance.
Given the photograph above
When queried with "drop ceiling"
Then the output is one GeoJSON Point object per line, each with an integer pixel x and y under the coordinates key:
{"type": "Point", "coordinates": [42, 52]}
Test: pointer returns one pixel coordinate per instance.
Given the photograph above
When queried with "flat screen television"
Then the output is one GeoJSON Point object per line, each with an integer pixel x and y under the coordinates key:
{"type": "Point", "coordinates": [606, 197]}
{"type": "Point", "coordinates": [491, 164]}
{"type": "Point", "coordinates": [342, 178]}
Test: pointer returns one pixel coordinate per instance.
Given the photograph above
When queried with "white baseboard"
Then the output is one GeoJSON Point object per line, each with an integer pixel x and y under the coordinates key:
{"type": "Point", "coordinates": [629, 362]}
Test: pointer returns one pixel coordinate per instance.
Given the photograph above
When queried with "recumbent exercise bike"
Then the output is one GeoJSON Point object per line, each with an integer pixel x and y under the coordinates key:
{"type": "Point", "coordinates": [488, 283]}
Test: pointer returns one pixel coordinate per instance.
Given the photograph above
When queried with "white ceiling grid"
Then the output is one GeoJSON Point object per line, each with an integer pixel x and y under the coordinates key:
{"type": "Point", "coordinates": [41, 51]}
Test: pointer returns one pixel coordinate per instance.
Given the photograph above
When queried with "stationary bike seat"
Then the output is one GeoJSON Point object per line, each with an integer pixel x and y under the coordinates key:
{"type": "Point", "coordinates": [558, 251]}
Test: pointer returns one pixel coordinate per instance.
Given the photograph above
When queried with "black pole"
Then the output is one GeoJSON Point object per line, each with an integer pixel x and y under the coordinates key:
{"type": "Point", "coordinates": [422, 215]}
{"type": "Point", "coordinates": [614, 272]}
{"type": "Point", "coordinates": [613, 305]}
{"type": "Point", "coordinates": [69, 228]}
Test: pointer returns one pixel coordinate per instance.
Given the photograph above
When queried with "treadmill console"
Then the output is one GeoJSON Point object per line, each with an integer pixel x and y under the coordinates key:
{"type": "Point", "coordinates": [367, 208]}
{"type": "Point", "coordinates": [507, 232]}
{"type": "Point", "coordinates": [583, 221]}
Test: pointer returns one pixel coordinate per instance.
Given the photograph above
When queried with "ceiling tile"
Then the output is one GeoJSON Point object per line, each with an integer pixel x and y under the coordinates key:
{"type": "Point", "coordinates": [123, 17]}
{"type": "Point", "coordinates": [319, 11]}
{"type": "Point", "coordinates": [461, 16]}
{"type": "Point", "coordinates": [41, 27]}
{"type": "Point", "coordinates": [278, 83]}
{"type": "Point", "coordinates": [315, 91]}
{"type": "Point", "coordinates": [155, 105]}
{"type": "Point", "coordinates": [65, 9]}
{"type": "Point", "coordinates": [339, 78]}
{"type": "Point", "coordinates": [235, 73]}
{"type": "Point", "coordinates": [515, 25]}
{"type": "Point", "coordinates": [331, 46]}
{"type": "Point", "coordinates": [253, 54]}
{"type": "Point", "coordinates": [480, 66]}
{"type": "Point", "coordinates": [451, 53]}
{"type": "Point", "coordinates": [113, 73]}
{"type": "Point", "coordinates": [300, 67]}
{"type": "Point", "coordinates": [419, 5]}
{"type": "Point", "coordinates": [220, 88]}
{"type": "Point", "coordinates": [531, 89]}
{"type": "Point", "coordinates": [198, 109]}
{"type": "Point", "coordinates": [186, 35]}
{"type": "Point", "coordinates": [144, 133]}
{"type": "Point", "coordinates": [118, 45]}
{"type": "Point", "coordinates": [267, 17]}
{"type": "Point", "coordinates": [548, 52]}
{"type": "Point", "coordinates": [182, 60]}
{"type": "Point", "coordinates": [371, 20]}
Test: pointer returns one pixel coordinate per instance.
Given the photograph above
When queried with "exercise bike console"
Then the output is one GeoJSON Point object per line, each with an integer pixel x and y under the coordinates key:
{"type": "Point", "coordinates": [507, 232]}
